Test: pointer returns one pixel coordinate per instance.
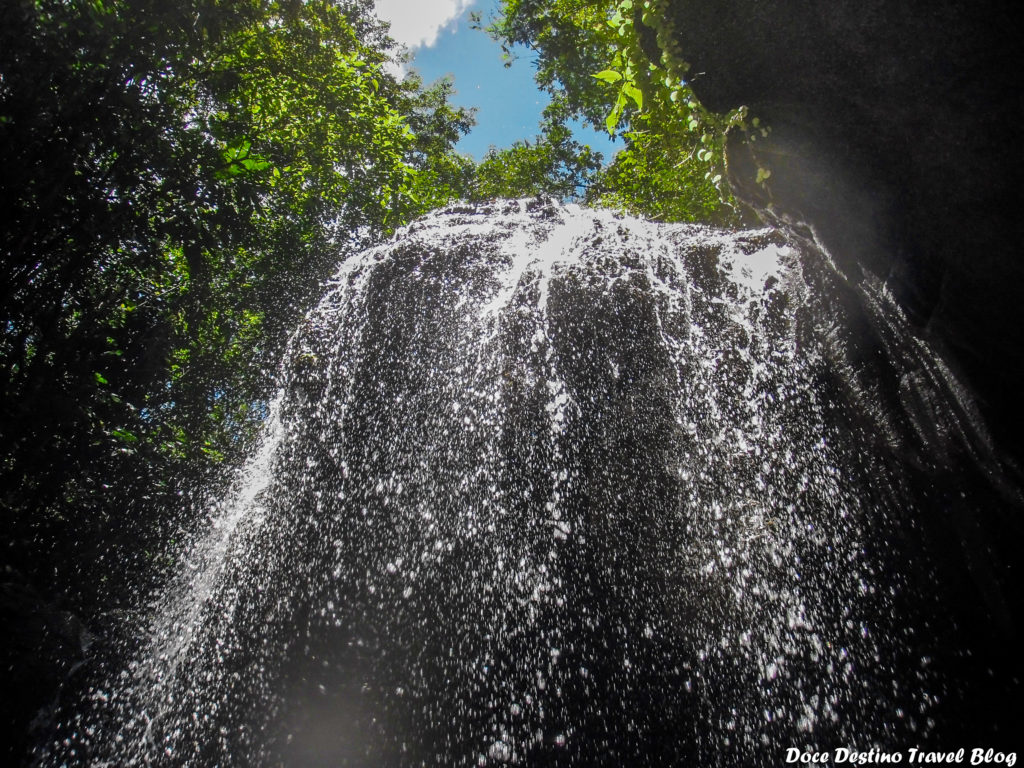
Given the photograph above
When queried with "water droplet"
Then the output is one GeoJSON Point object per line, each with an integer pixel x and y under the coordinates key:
{"type": "Point", "coordinates": [500, 751]}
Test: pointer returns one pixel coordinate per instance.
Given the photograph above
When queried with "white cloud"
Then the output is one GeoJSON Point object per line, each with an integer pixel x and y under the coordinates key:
{"type": "Point", "coordinates": [417, 23]}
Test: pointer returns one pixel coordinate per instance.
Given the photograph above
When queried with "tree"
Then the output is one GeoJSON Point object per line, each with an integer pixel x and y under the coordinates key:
{"type": "Point", "coordinates": [554, 164]}
{"type": "Point", "coordinates": [178, 178]}
{"type": "Point", "coordinates": [615, 64]}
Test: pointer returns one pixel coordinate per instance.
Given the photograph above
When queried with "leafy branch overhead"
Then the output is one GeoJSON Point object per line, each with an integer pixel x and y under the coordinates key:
{"type": "Point", "coordinates": [178, 177]}
{"type": "Point", "coordinates": [617, 65]}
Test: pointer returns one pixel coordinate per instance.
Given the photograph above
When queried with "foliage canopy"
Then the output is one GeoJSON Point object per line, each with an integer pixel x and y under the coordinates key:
{"type": "Point", "coordinates": [178, 178]}
{"type": "Point", "coordinates": [615, 64]}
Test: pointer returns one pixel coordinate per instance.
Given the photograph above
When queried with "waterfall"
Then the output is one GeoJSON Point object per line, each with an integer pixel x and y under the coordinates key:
{"type": "Point", "coordinates": [553, 486]}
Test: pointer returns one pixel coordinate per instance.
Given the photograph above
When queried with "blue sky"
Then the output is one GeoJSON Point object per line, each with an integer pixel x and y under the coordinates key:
{"type": "Point", "coordinates": [508, 101]}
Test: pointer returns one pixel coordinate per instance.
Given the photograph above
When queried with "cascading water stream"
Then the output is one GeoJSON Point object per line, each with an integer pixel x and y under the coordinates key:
{"type": "Point", "coordinates": [550, 486]}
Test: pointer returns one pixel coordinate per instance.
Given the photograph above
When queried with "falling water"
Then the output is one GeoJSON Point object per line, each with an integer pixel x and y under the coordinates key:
{"type": "Point", "coordinates": [551, 486]}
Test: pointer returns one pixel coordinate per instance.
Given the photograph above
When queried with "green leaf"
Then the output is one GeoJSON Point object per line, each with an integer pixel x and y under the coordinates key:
{"type": "Point", "coordinates": [608, 75]}
{"type": "Point", "coordinates": [253, 164]}
{"type": "Point", "coordinates": [125, 435]}
{"type": "Point", "coordinates": [634, 93]}
{"type": "Point", "coordinates": [100, 379]}
{"type": "Point", "coordinates": [613, 117]}
{"type": "Point", "coordinates": [236, 149]}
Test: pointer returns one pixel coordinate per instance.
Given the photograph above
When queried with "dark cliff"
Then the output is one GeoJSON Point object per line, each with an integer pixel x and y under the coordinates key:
{"type": "Point", "coordinates": [896, 135]}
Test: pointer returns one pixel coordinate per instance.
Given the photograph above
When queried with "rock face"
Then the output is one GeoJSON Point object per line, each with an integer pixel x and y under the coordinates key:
{"type": "Point", "coordinates": [551, 487]}
{"type": "Point", "coordinates": [897, 131]}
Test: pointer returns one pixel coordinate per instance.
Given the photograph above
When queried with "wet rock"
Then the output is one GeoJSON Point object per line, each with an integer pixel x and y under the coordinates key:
{"type": "Point", "coordinates": [896, 129]}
